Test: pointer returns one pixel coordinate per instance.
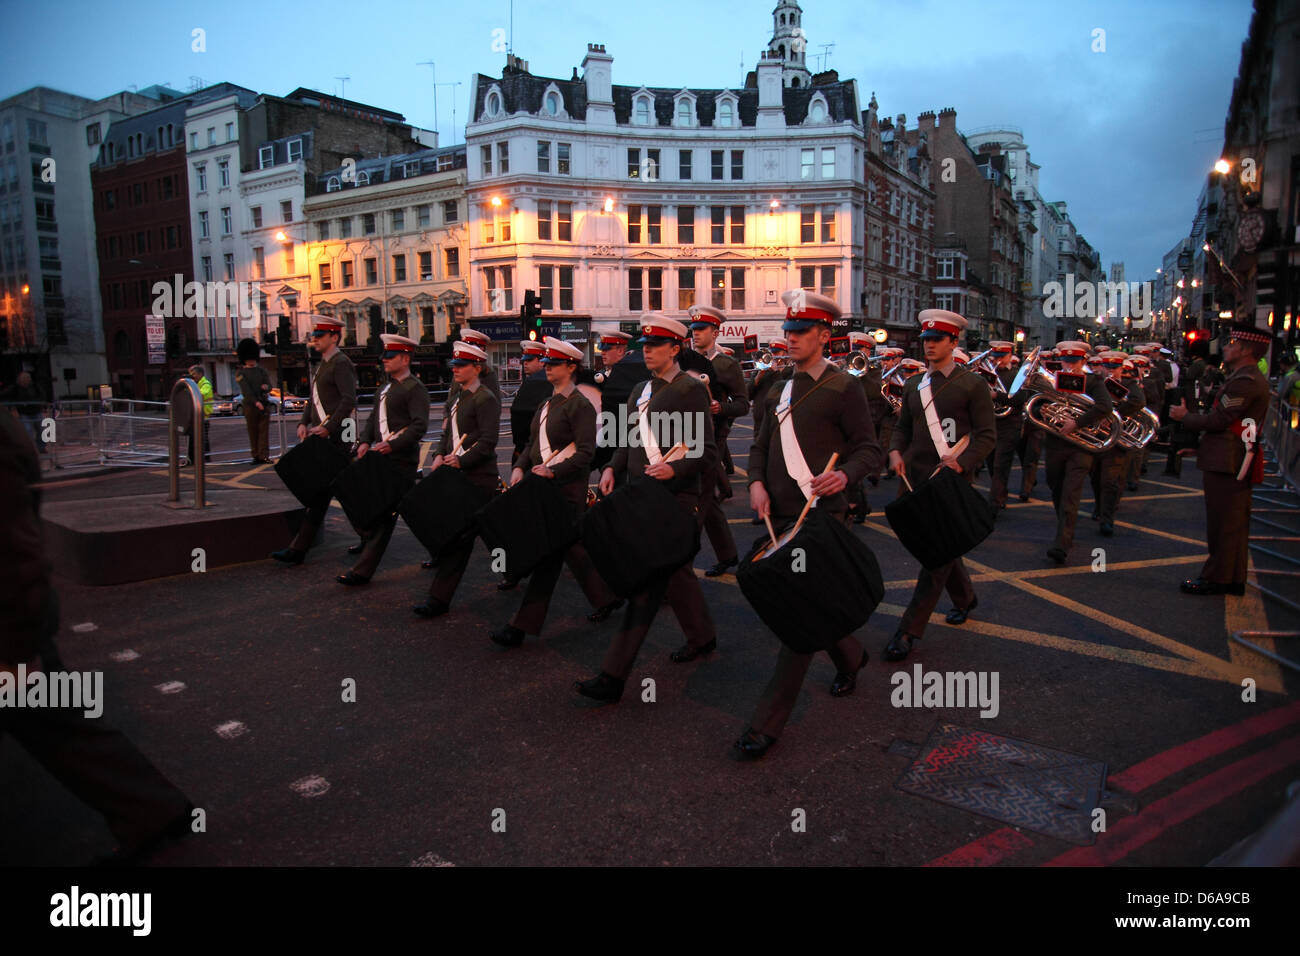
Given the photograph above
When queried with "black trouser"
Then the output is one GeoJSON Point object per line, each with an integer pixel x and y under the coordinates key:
{"type": "Point", "coordinates": [1227, 527]}
{"type": "Point", "coordinates": [1067, 466]}
{"type": "Point", "coordinates": [259, 427]}
{"type": "Point", "coordinates": [374, 541]}
{"type": "Point", "coordinates": [715, 521]}
{"type": "Point", "coordinates": [1003, 457]}
{"type": "Point", "coordinates": [541, 587]}
{"type": "Point", "coordinates": [1109, 470]}
{"type": "Point", "coordinates": [930, 584]}
{"type": "Point", "coordinates": [1029, 449]}
{"type": "Point", "coordinates": [681, 590]}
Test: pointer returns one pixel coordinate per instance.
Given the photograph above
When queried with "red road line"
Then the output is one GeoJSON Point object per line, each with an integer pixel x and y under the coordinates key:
{"type": "Point", "coordinates": [1132, 833]}
{"type": "Point", "coordinates": [997, 846]}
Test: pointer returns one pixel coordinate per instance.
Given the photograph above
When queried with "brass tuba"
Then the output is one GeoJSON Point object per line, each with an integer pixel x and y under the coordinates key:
{"type": "Point", "coordinates": [1138, 429]}
{"type": "Point", "coordinates": [891, 386]}
{"type": "Point", "coordinates": [857, 364]}
{"type": "Point", "coordinates": [983, 364]}
{"type": "Point", "coordinates": [1050, 409]}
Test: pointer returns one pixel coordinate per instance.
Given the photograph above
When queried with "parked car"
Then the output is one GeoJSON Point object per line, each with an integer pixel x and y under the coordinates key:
{"type": "Point", "coordinates": [291, 403]}
{"type": "Point", "coordinates": [227, 406]}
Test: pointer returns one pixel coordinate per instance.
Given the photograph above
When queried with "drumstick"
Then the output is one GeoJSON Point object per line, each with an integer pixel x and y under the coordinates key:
{"type": "Point", "coordinates": [903, 475]}
{"type": "Point", "coordinates": [555, 455]}
{"type": "Point", "coordinates": [771, 534]}
{"type": "Point", "coordinates": [673, 452]}
{"type": "Point", "coordinates": [456, 449]}
{"type": "Point", "coordinates": [803, 514]}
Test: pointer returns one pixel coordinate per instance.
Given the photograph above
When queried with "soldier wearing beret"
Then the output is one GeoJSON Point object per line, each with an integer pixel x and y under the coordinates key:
{"type": "Point", "coordinates": [1231, 460]}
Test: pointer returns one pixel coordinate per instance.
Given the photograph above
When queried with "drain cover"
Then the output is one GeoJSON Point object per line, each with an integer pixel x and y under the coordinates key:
{"type": "Point", "coordinates": [1009, 780]}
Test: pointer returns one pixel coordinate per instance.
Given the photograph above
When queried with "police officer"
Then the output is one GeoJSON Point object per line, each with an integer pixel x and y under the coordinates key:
{"type": "Point", "coordinates": [672, 392]}
{"type": "Point", "coordinates": [333, 402]}
{"type": "Point", "coordinates": [1231, 460]}
{"type": "Point", "coordinates": [919, 447]}
{"type": "Point", "coordinates": [820, 411]}
{"type": "Point", "coordinates": [562, 440]}
{"type": "Point", "coordinates": [471, 422]}
{"type": "Point", "coordinates": [1067, 465]}
{"type": "Point", "coordinates": [395, 426]}
{"type": "Point", "coordinates": [730, 401]}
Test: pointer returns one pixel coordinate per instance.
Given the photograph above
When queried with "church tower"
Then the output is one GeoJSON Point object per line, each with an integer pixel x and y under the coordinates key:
{"type": "Point", "coordinates": [789, 45]}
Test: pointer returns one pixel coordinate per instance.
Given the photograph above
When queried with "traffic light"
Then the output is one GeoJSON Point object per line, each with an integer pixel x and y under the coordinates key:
{"type": "Point", "coordinates": [530, 316]}
{"type": "Point", "coordinates": [1266, 283]}
{"type": "Point", "coordinates": [268, 341]}
{"type": "Point", "coordinates": [284, 336]}
{"type": "Point", "coordinates": [1192, 334]}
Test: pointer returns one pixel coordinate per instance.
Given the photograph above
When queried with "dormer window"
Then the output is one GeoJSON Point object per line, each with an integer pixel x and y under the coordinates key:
{"type": "Point", "coordinates": [332, 185]}
{"type": "Point", "coordinates": [642, 114]}
{"type": "Point", "coordinates": [726, 113]}
{"type": "Point", "coordinates": [363, 179]}
{"type": "Point", "coordinates": [494, 103]}
{"type": "Point", "coordinates": [817, 112]}
{"type": "Point", "coordinates": [684, 112]}
{"type": "Point", "coordinates": [553, 103]}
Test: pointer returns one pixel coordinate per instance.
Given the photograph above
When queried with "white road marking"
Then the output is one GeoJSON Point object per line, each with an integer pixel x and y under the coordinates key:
{"type": "Point", "coordinates": [431, 859]}
{"type": "Point", "coordinates": [171, 687]}
{"type": "Point", "coordinates": [310, 786]}
{"type": "Point", "coordinates": [85, 628]}
{"type": "Point", "coordinates": [230, 730]}
{"type": "Point", "coordinates": [123, 656]}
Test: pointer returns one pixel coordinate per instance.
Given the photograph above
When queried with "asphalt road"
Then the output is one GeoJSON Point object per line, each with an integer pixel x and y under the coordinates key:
{"type": "Point", "coordinates": [449, 733]}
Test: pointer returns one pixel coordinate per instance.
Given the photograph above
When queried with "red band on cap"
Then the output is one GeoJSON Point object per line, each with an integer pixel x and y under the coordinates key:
{"type": "Point", "coordinates": [810, 314]}
{"type": "Point", "coordinates": [940, 326]}
{"type": "Point", "coordinates": [656, 332]}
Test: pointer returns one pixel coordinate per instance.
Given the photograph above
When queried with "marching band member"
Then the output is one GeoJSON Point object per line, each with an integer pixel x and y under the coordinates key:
{"type": "Point", "coordinates": [671, 391]}
{"type": "Point", "coordinates": [919, 447]}
{"type": "Point", "coordinates": [395, 426]}
{"type": "Point", "coordinates": [885, 424]}
{"type": "Point", "coordinates": [471, 421]}
{"type": "Point", "coordinates": [1066, 464]}
{"type": "Point", "coordinates": [1008, 427]}
{"type": "Point", "coordinates": [488, 377]}
{"type": "Point", "coordinates": [333, 401]}
{"type": "Point", "coordinates": [880, 409]}
{"type": "Point", "coordinates": [1154, 390]}
{"type": "Point", "coordinates": [623, 370]}
{"type": "Point", "coordinates": [562, 440]}
{"type": "Point", "coordinates": [729, 380]}
{"type": "Point", "coordinates": [534, 390]}
{"type": "Point", "coordinates": [821, 411]}
{"type": "Point", "coordinates": [1110, 467]}
{"type": "Point", "coordinates": [1231, 460]}
{"type": "Point", "coordinates": [1030, 447]}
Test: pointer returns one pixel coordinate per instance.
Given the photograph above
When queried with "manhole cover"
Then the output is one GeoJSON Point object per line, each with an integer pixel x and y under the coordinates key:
{"type": "Point", "coordinates": [1009, 780]}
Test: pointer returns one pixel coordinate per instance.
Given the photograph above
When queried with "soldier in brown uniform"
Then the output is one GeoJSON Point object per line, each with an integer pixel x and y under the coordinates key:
{"type": "Point", "coordinates": [920, 446]}
{"type": "Point", "coordinates": [880, 410]}
{"type": "Point", "coordinates": [1111, 466]}
{"type": "Point", "coordinates": [1066, 465]}
{"type": "Point", "coordinates": [1231, 460]}
{"type": "Point", "coordinates": [729, 382]}
{"type": "Point", "coordinates": [827, 411]}
{"type": "Point", "coordinates": [673, 392]}
{"type": "Point", "coordinates": [255, 397]}
{"type": "Point", "coordinates": [1009, 427]}
{"type": "Point", "coordinates": [395, 426]}
{"type": "Point", "coordinates": [328, 415]}
{"type": "Point", "coordinates": [488, 377]}
{"type": "Point", "coordinates": [471, 423]}
{"type": "Point", "coordinates": [1153, 389]}
{"type": "Point", "coordinates": [562, 453]}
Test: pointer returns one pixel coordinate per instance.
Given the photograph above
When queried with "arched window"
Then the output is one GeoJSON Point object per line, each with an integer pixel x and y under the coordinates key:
{"type": "Point", "coordinates": [794, 81]}
{"type": "Point", "coordinates": [817, 112]}
{"type": "Point", "coordinates": [684, 112]}
{"type": "Point", "coordinates": [552, 102]}
{"type": "Point", "coordinates": [783, 19]}
{"type": "Point", "coordinates": [643, 111]}
{"type": "Point", "coordinates": [363, 179]}
{"type": "Point", "coordinates": [122, 346]}
{"type": "Point", "coordinates": [332, 185]}
{"type": "Point", "coordinates": [493, 104]}
{"type": "Point", "coordinates": [725, 113]}
{"type": "Point", "coordinates": [780, 50]}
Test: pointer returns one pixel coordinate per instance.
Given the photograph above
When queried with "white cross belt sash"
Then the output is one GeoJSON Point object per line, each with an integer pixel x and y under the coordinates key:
{"type": "Point", "coordinates": [548, 459]}
{"type": "Point", "coordinates": [315, 400]}
{"type": "Point", "coordinates": [795, 463]}
{"type": "Point", "coordinates": [455, 429]}
{"type": "Point", "coordinates": [652, 452]}
{"type": "Point", "coordinates": [383, 414]}
{"type": "Point", "coordinates": [941, 445]}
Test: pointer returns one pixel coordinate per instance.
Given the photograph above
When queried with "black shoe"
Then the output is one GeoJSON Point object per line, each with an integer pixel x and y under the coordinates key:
{"type": "Point", "coordinates": [1202, 586]}
{"type": "Point", "coordinates": [428, 563]}
{"type": "Point", "coordinates": [844, 684]}
{"type": "Point", "coordinates": [1107, 529]}
{"type": "Point", "coordinates": [958, 616]}
{"type": "Point", "coordinates": [602, 613]}
{"type": "Point", "coordinates": [431, 608]}
{"type": "Point", "coordinates": [899, 646]}
{"type": "Point", "coordinates": [601, 687]}
{"type": "Point", "coordinates": [352, 579]}
{"type": "Point", "coordinates": [355, 548]}
{"type": "Point", "coordinates": [1132, 486]}
{"type": "Point", "coordinates": [752, 745]}
{"type": "Point", "coordinates": [289, 555]}
{"type": "Point", "coordinates": [507, 584]}
{"type": "Point", "coordinates": [859, 517]}
{"type": "Point", "coordinates": [1096, 516]}
{"type": "Point", "coordinates": [721, 568]}
{"type": "Point", "coordinates": [1024, 497]}
{"type": "Point", "coordinates": [508, 636]}
{"type": "Point", "coordinates": [1056, 554]}
{"type": "Point", "coordinates": [686, 653]}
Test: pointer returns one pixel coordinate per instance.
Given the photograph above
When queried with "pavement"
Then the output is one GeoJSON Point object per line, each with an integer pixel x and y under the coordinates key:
{"type": "Point", "coordinates": [456, 752]}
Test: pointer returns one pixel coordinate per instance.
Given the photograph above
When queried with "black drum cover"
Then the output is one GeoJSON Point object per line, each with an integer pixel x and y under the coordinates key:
{"type": "Point", "coordinates": [835, 589]}
{"type": "Point", "coordinates": [440, 509]}
{"type": "Point", "coordinates": [370, 489]}
{"type": "Point", "coordinates": [637, 533]}
{"type": "Point", "coordinates": [940, 519]}
{"type": "Point", "coordinates": [531, 521]}
{"type": "Point", "coordinates": [309, 468]}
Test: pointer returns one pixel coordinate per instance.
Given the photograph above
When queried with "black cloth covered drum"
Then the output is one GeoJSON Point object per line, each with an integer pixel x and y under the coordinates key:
{"type": "Point", "coordinates": [941, 519]}
{"type": "Point", "coordinates": [309, 468]}
{"type": "Point", "coordinates": [825, 595]}
{"type": "Point", "coordinates": [370, 489]}
{"type": "Point", "coordinates": [531, 521]}
{"type": "Point", "coordinates": [440, 509]}
{"type": "Point", "coordinates": [637, 533]}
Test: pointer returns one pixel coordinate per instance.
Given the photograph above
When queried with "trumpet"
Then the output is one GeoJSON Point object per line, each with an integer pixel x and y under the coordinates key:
{"type": "Point", "coordinates": [1051, 408]}
{"type": "Point", "coordinates": [858, 363]}
{"type": "Point", "coordinates": [891, 386]}
{"type": "Point", "coordinates": [766, 359]}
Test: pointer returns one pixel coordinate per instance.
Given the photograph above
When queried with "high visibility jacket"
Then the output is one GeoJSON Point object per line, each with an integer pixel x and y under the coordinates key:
{"type": "Point", "coordinates": [205, 389]}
